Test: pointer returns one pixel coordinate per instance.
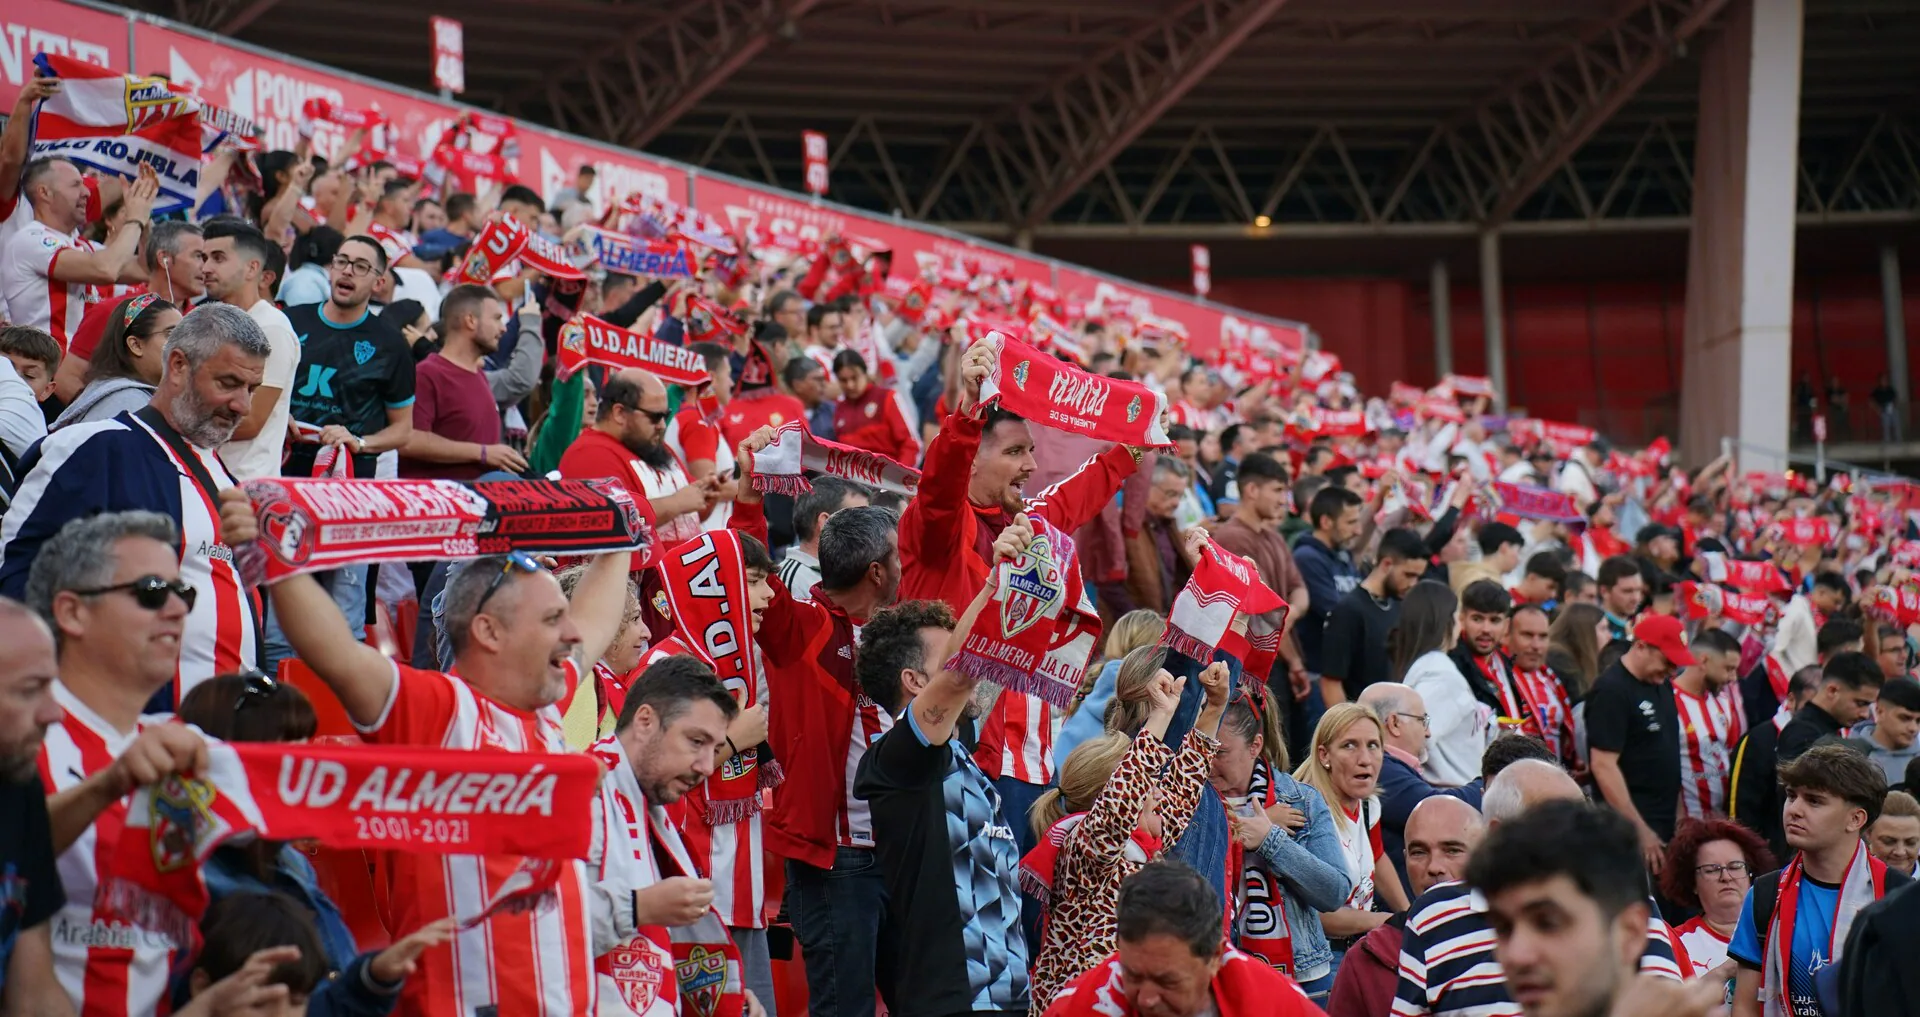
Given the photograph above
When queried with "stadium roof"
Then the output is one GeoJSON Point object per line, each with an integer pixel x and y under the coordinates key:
{"type": "Point", "coordinates": [1092, 119]}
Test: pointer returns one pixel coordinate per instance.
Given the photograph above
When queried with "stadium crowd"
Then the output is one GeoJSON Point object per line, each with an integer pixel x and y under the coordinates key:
{"type": "Point", "coordinates": [1198, 683]}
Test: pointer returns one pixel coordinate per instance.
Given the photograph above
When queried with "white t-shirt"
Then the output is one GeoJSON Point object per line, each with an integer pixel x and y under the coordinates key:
{"type": "Point", "coordinates": [1361, 848]}
{"type": "Point", "coordinates": [259, 456]}
{"type": "Point", "coordinates": [33, 297]}
{"type": "Point", "coordinates": [21, 422]}
{"type": "Point", "coordinates": [1462, 725]}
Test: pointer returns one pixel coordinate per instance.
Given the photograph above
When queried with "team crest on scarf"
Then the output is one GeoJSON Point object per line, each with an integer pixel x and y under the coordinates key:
{"type": "Point", "coordinates": [1034, 588]}
{"type": "Point", "coordinates": [182, 820]}
{"type": "Point", "coordinates": [362, 352]}
{"type": "Point", "coordinates": [703, 975]}
{"type": "Point", "coordinates": [639, 973]}
{"type": "Point", "coordinates": [1020, 371]}
{"type": "Point", "coordinates": [1133, 409]}
{"type": "Point", "coordinates": [573, 338]}
{"type": "Point", "coordinates": [150, 101]}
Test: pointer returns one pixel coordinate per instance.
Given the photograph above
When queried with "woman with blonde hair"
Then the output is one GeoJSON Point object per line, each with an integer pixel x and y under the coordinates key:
{"type": "Point", "coordinates": [1344, 766]}
{"type": "Point", "coordinates": [1120, 802]}
{"type": "Point", "coordinates": [1087, 715]}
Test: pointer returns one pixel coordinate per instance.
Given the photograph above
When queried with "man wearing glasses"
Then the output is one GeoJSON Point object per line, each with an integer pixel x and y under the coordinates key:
{"type": "Point", "coordinates": [111, 588]}
{"type": "Point", "coordinates": [627, 441]}
{"type": "Point", "coordinates": [1405, 729]}
{"type": "Point", "coordinates": [355, 383]}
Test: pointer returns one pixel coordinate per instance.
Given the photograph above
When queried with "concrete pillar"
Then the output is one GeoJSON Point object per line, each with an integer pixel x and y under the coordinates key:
{"type": "Point", "coordinates": [1739, 314]}
{"type": "Point", "coordinates": [1493, 315]}
{"type": "Point", "coordinates": [1893, 308]}
{"type": "Point", "coordinates": [1442, 292]}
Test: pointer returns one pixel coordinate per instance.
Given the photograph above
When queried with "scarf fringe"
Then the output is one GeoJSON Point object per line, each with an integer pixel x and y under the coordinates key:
{"type": "Point", "coordinates": [1012, 679]}
{"type": "Point", "coordinates": [1033, 886]}
{"type": "Point", "coordinates": [144, 908]}
{"type": "Point", "coordinates": [772, 774]}
{"type": "Point", "coordinates": [1186, 644]}
{"type": "Point", "coordinates": [793, 485]}
{"type": "Point", "coordinates": [727, 811]}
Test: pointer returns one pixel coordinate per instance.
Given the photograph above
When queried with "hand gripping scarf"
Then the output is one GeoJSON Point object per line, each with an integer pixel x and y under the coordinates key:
{"type": "Point", "coordinates": [782, 466]}
{"type": "Point", "coordinates": [1900, 606]}
{"type": "Point", "coordinates": [688, 971]}
{"type": "Point", "coordinates": [312, 524]}
{"type": "Point", "coordinates": [586, 339]}
{"type": "Point", "coordinates": [1039, 865]}
{"type": "Point", "coordinates": [502, 241]}
{"type": "Point", "coordinates": [1864, 883]}
{"type": "Point", "coordinates": [1039, 628]}
{"type": "Point", "coordinates": [1260, 925]}
{"type": "Point", "coordinates": [705, 586]}
{"type": "Point", "coordinates": [1222, 586]}
{"type": "Point", "coordinates": [1059, 395]}
{"type": "Point", "coordinates": [395, 798]}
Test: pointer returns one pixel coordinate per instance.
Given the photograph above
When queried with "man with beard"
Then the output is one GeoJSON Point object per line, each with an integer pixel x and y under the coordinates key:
{"type": "Point", "coordinates": [33, 896]}
{"type": "Point", "coordinates": [1354, 647]}
{"type": "Point", "coordinates": [1543, 689]}
{"type": "Point", "coordinates": [161, 459]}
{"type": "Point", "coordinates": [1484, 606]}
{"type": "Point", "coordinates": [1710, 722]}
{"type": "Point", "coordinates": [456, 424]}
{"type": "Point", "coordinates": [235, 262]}
{"type": "Point", "coordinates": [671, 730]}
{"type": "Point", "coordinates": [628, 441]}
{"type": "Point", "coordinates": [356, 380]}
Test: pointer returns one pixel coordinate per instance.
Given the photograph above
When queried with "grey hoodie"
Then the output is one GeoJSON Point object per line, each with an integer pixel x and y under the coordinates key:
{"type": "Point", "coordinates": [104, 400]}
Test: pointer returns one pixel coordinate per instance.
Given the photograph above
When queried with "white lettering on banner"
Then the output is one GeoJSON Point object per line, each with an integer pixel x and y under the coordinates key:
{"type": "Point", "coordinates": [862, 469]}
{"type": "Point", "coordinates": [1080, 392]}
{"type": "Point", "coordinates": [611, 178]}
{"type": "Point", "coordinates": [628, 345]}
{"type": "Point", "coordinates": [780, 217]}
{"type": "Point", "coordinates": [317, 784]}
{"type": "Point", "coordinates": [21, 42]}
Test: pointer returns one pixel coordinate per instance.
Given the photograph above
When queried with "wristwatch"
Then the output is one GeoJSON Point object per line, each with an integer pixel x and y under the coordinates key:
{"type": "Point", "coordinates": [359, 443]}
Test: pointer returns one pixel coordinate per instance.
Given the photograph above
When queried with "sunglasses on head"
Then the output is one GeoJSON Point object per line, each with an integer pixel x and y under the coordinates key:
{"type": "Point", "coordinates": [517, 561]}
{"type": "Point", "coordinates": [259, 685]}
{"type": "Point", "coordinates": [150, 592]}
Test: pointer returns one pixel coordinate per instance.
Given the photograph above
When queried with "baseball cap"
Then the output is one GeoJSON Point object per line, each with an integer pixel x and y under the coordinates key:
{"type": "Point", "coordinates": [1664, 633]}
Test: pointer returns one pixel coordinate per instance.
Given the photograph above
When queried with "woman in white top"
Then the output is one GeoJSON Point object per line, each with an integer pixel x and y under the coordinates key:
{"type": "Point", "coordinates": [1344, 766]}
{"type": "Point", "coordinates": [1459, 726]}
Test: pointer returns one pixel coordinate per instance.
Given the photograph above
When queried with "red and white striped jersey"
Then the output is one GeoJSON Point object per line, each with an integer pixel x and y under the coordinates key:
{"type": "Point", "coordinates": [108, 967]}
{"type": "Point", "coordinates": [537, 962]}
{"type": "Point", "coordinates": [1017, 739]}
{"type": "Point", "coordinates": [638, 974]}
{"type": "Point", "coordinates": [31, 293]}
{"type": "Point", "coordinates": [1547, 698]}
{"type": "Point", "coordinates": [869, 723]}
{"type": "Point", "coordinates": [1709, 728]}
{"type": "Point", "coordinates": [1705, 948]}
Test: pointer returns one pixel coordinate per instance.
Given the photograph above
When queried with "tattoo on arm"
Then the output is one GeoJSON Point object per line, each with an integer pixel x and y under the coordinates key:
{"type": "Point", "coordinates": [936, 714]}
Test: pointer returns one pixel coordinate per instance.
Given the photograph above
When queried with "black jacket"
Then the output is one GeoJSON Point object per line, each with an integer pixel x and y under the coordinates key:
{"type": "Point", "coordinates": [1756, 787]}
{"type": "Point", "coordinates": [1807, 728]}
{"type": "Point", "coordinates": [1877, 976]}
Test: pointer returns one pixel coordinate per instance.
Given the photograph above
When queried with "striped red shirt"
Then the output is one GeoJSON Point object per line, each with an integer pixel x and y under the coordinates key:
{"type": "Point", "coordinates": [1017, 739]}
{"type": "Point", "coordinates": [1709, 728]}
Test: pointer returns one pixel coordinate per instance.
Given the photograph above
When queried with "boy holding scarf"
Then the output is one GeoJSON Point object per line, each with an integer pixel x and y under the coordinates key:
{"type": "Point", "coordinates": [1795, 921]}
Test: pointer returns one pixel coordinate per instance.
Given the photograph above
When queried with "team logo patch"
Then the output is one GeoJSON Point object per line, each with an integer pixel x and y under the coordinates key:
{"type": "Point", "coordinates": [181, 820]}
{"type": "Point", "coordinates": [362, 351]}
{"type": "Point", "coordinates": [703, 976]}
{"type": "Point", "coordinates": [285, 527]}
{"type": "Point", "coordinates": [1133, 409]}
{"type": "Point", "coordinates": [573, 338]}
{"type": "Point", "coordinates": [1036, 588]}
{"type": "Point", "coordinates": [1020, 371]}
{"type": "Point", "coordinates": [149, 101]}
{"type": "Point", "coordinates": [639, 972]}
{"type": "Point", "coordinates": [660, 604]}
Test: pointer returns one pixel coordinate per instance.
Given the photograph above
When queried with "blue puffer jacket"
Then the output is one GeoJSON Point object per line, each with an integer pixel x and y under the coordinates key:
{"type": "Point", "coordinates": [1312, 872]}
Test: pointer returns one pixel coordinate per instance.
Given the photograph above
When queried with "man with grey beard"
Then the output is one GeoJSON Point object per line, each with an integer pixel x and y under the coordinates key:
{"type": "Point", "coordinates": [161, 459]}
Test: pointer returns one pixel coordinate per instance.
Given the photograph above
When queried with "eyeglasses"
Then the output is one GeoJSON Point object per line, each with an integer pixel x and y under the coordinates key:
{"type": "Point", "coordinates": [1425, 720]}
{"type": "Point", "coordinates": [259, 685]}
{"type": "Point", "coordinates": [1731, 870]}
{"type": "Point", "coordinates": [150, 592]}
{"type": "Point", "coordinates": [516, 561]}
{"type": "Point", "coordinates": [659, 418]}
{"type": "Point", "coordinates": [358, 268]}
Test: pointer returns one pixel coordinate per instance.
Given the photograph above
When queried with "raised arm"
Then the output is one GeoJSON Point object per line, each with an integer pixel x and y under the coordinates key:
{"type": "Point", "coordinates": [599, 603]}
{"type": "Point", "coordinates": [361, 676]}
{"type": "Point", "coordinates": [937, 708]}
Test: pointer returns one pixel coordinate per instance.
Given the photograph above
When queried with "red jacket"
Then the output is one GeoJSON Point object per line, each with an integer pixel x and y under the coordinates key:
{"type": "Point", "coordinates": [595, 454]}
{"type": "Point", "coordinates": [941, 548]}
{"type": "Point", "coordinates": [873, 422]}
{"type": "Point", "coordinates": [1369, 974]}
{"type": "Point", "coordinates": [808, 648]}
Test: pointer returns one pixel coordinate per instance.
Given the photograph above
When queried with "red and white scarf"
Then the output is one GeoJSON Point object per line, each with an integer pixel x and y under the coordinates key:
{"type": "Point", "coordinates": [705, 586]}
{"type": "Point", "coordinates": [642, 847]}
{"type": "Point", "coordinates": [1260, 922]}
{"type": "Point", "coordinates": [1039, 629]}
{"type": "Point", "coordinates": [1039, 866]}
{"type": "Point", "coordinates": [783, 465]}
{"type": "Point", "coordinates": [1529, 502]}
{"type": "Point", "coordinates": [1059, 395]}
{"type": "Point", "coordinates": [586, 339]}
{"type": "Point", "coordinates": [1240, 989]}
{"type": "Point", "coordinates": [1805, 532]}
{"type": "Point", "coordinates": [501, 242]}
{"type": "Point", "coordinates": [1222, 586]}
{"type": "Point", "coordinates": [394, 798]}
{"type": "Point", "coordinates": [1864, 883]}
{"type": "Point", "coordinates": [313, 524]}
{"type": "Point", "coordinates": [1751, 576]}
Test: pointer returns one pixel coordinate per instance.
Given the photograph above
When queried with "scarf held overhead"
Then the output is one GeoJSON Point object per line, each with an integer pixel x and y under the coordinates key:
{"type": "Point", "coordinates": [1039, 628]}
{"type": "Point", "coordinates": [313, 524]}
{"type": "Point", "coordinates": [394, 798]}
{"type": "Point", "coordinates": [1059, 395]}
{"type": "Point", "coordinates": [783, 465]}
{"type": "Point", "coordinates": [705, 588]}
{"type": "Point", "coordinates": [117, 123]}
{"type": "Point", "coordinates": [1223, 586]}
{"type": "Point", "coordinates": [501, 242]}
{"type": "Point", "coordinates": [586, 339]}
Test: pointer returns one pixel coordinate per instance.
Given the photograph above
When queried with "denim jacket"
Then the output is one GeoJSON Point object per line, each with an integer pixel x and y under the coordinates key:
{"type": "Point", "coordinates": [293, 876]}
{"type": "Point", "coordinates": [1312, 872]}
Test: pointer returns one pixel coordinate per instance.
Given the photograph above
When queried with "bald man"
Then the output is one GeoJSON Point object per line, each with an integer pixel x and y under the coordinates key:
{"type": "Point", "coordinates": [1441, 833]}
{"type": "Point", "coordinates": [1403, 719]}
{"type": "Point", "coordinates": [1447, 951]}
{"type": "Point", "coordinates": [27, 709]}
{"type": "Point", "coordinates": [628, 441]}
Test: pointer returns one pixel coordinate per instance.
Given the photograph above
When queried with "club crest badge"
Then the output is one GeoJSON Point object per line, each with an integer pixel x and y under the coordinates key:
{"type": "Point", "coordinates": [1133, 409]}
{"type": "Point", "coordinates": [639, 969]}
{"type": "Point", "coordinates": [573, 338]}
{"type": "Point", "coordinates": [1036, 588]}
{"type": "Point", "coordinates": [362, 352]}
{"type": "Point", "coordinates": [1020, 371]}
{"type": "Point", "coordinates": [703, 979]}
{"type": "Point", "coordinates": [182, 822]}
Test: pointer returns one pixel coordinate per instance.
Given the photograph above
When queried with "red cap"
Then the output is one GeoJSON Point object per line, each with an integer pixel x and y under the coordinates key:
{"type": "Point", "coordinates": [1665, 633]}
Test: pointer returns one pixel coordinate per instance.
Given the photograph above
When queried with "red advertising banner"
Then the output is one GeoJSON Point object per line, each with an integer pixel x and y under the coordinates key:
{"type": "Point", "coordinates": [270, 92]}
{"type": "Point", "coordinates": [1208, 328]}
{"type": "Point", "coordinates": [813, 146]}
{"type": "Point", "coordinates": [449, 55]}
{"type": "Point", "coordinates": [549, 162]}
{"type": "Point", "coordinates": [49, 26]}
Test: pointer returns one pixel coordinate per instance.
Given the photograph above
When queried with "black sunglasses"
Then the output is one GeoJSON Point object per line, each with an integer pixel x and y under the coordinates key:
{"type": "Point", "coordinates": [150, 592]}
{"type": "Point", "coordinates": [516, 560]}
{"type": "Point", "coordinates": [259, 685]}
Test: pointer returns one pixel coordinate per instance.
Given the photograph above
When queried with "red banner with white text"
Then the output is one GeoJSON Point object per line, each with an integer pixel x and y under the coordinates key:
{"type": "Point", "coordinates": [49, 26]}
